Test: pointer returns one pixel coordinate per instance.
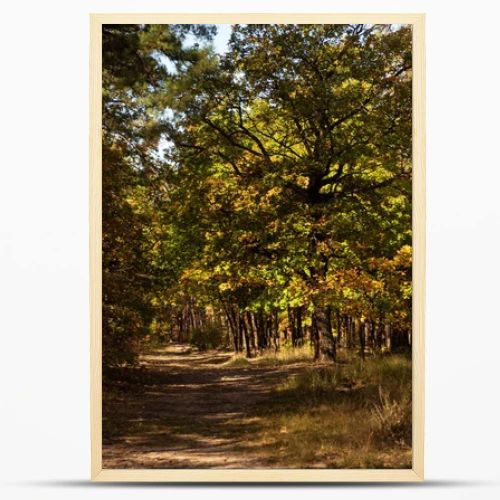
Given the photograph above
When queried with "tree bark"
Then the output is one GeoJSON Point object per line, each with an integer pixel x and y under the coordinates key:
{"type": "Point", "coordinates": [388, 337]}
{"type": "Point", "coordinates": [315, 337]}
{"type": "Point", "coordinates": [299, 332]}
{"type": "Point", "coordinates": [246, 335]}
{"type": "Point", "coordinates": [323, 340]}
{"type": "Point", "coordinates": [360, 326]}
{"type": "Point", "coordinates": [251, 330]}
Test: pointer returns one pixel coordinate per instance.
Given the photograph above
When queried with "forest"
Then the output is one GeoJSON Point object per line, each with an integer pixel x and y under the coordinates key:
{"type": "Point", "coordinates": [257, 219]}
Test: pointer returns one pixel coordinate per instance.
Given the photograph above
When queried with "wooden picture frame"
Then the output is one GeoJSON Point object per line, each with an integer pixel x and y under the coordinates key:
{"type": "Point", "coordinates": [259, 475]}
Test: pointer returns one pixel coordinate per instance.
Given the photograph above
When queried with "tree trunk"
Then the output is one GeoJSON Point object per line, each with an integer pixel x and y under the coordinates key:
{"type": "Point", "coordinates": [246, 335]}
{"type": "Point", "coordinates": [233, 327]}
{"type": "Point", "coordinates": [261, 330]}
{"type": "Point", "coordinates": [315, 337]}
{"type": "Point", "coordinates": [330, 335]}
{"type": "Point", "coordinates": [338, 326]}
{"type": "Point", "coordinates": [299, 333]}
{"type": "Point", "coordinates": [180, 322]}
{"type": "Point", "coordinates": [360, 326]}
{"type": "Point", "coordinates": [240, 330]}
{"type": "Point", "coordinates": [388, 337]}
{"type": "Point", "coordinates": [276, 331]}
{"type": "Point", "coordinates": [324, 343]}
{"type": "Point", "coordinates": [251, 331]}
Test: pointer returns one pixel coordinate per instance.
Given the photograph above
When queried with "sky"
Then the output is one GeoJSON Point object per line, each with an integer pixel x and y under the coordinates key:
{"type": "Point", "coordinates": [222, 38]}
{"type": "Point", "coordinates": [220, 44]}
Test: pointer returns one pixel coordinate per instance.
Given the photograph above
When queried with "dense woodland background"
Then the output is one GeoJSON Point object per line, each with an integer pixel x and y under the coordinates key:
{"type": "Point", "coordinates": [260, 198]}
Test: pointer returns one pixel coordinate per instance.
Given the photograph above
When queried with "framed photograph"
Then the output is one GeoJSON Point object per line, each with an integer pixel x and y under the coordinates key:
{"type": "Point", "coordinates": [257, 247]}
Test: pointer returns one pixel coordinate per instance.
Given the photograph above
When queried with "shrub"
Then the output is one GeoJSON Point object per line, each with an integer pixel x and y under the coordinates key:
{"type": "Point", "coordinates": [392, 419]}
{"type": "Point", "coordinates": [207, 337]}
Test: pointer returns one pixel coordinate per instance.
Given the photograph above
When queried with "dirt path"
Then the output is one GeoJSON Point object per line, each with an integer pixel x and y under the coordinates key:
{"type": "Point", "coordinates": [193, 412]}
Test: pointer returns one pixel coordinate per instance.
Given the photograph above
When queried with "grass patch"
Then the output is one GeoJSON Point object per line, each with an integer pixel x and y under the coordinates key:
{"type": "Point", "coordinates": [355, 415]}
{"type": "Point", "coordinates": [237, 361]}
{"type": "Point", "coordinates": [285, 355]}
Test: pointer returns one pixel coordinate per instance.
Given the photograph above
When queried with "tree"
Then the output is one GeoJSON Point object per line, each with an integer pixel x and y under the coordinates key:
{"type": "Point", "coordinates": [133, 69]}
{"type": "Point", "coordinates": [299, 138]}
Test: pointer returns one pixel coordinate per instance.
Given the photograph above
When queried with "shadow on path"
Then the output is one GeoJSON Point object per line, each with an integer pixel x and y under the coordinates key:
{"type": "Point", "coordinates": [191, 412]}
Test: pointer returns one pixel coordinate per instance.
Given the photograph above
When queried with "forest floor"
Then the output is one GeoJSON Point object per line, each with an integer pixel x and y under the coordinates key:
{"type": "Point", "coordinates": [189, 409]}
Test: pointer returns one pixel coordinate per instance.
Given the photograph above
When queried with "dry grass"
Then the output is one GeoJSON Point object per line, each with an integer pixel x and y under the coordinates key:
{"type": "Point", "coordinates": [356, 415]}
{"type": "Point", "coordinates": [286, 355]}
{"type": "Point", "coordinates": [237, 361]}
{"type": "Point", "coordinates": [282, 357]}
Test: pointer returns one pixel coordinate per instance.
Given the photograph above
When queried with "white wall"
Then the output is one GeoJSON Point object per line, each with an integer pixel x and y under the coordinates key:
{"type": "Point", "coordinates": [44, 431]}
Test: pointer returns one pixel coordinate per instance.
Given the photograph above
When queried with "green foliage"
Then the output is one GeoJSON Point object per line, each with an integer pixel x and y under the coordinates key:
{"type": "Point", "coordinates": [306, 166]}
{"type": "Point", "coordinates": [275, 175]}
{"type": "Point", "coordinates": [133, 268]}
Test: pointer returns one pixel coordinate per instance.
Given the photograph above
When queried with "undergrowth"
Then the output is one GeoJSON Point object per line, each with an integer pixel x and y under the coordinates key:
{"type": "Point", "coordinates": [353, 415]}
